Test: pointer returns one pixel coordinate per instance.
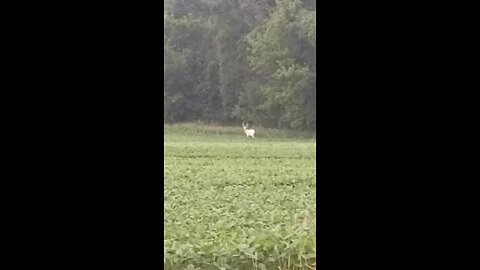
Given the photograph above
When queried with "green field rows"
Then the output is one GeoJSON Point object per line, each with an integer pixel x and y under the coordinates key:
{"type": "Point", "coordinates": [233, 203]}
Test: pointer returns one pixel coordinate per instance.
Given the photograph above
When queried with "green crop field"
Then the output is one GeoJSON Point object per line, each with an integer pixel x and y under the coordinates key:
{"type": "Point", "coordinates": [237, 203]}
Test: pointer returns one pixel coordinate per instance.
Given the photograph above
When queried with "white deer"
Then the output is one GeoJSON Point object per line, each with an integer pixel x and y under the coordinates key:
{"type": "Point", "coordinates": [248, 131]}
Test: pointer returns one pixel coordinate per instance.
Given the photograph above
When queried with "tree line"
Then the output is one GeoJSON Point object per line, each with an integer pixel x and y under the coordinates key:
{"type": "Point", "coordinates": [229, 61]}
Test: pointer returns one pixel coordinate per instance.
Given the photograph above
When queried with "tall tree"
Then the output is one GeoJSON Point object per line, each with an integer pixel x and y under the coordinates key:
{"type": "Point", "coordinates": [241, 60]}
{"type": "Point", "coordinates": [282, 52]}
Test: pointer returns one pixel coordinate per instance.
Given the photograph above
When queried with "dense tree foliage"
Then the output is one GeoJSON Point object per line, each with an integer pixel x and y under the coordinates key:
{"type": "Point", "coordinates": [229, 61]}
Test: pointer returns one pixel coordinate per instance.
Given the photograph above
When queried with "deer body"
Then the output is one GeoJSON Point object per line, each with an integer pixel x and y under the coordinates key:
{"type": "Point", "coordinates": [249, 132]}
